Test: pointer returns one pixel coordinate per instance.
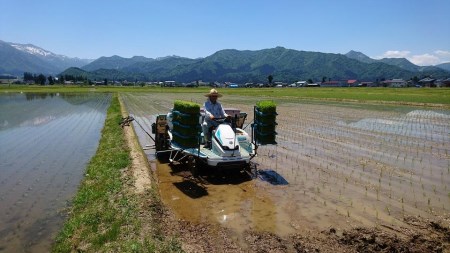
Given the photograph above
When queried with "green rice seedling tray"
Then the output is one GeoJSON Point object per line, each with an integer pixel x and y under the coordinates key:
{"type": "Point", "coordinates": [186, 107]}
{"type": "Point", "coordinates": [186, 118]}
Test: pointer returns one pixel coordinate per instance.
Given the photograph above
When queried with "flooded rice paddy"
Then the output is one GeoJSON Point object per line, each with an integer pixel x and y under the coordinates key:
{"type": "Point", "coordinates": [336, 165]}
{"type": "Point", "coordinates": [46, 143]}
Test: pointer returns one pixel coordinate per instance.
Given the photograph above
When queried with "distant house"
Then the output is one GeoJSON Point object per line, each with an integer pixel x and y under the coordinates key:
{"type": "Point", "coordinates": [218, 84]}
{"type": "Point", "coordinates": [395, 83]}
{"type": "Point", "coordinates": [442, 82]}
{"type": "Point", "coordinates": [169, 83]}
{"type": "Point", "coordinates": [445, 82]}
{"type": "Point", "coordinates": [334, 84]}
{"type": "Point", "coordinates": [352, 83]}
{"type": "Point", "coordinates": [202, 83]}
{"type": "Point", "coordinates": [299, 84]}
{"type": "Point", "coordinates": [279, 84]}
{"type": "Point", "coordinates": [8, 79]}
{"type": "Point", "coordinates": [366, 84]}
{"type": "Point", "coordinates": [190, 85]}
{"type": "Point", "coordinates": [427, 82]}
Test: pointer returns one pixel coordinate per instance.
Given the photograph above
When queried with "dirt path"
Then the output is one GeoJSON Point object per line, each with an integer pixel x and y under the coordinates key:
{"type": "Point", "coordinates": [139, 165]}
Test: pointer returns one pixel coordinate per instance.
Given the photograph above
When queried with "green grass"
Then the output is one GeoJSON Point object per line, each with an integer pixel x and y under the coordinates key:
{"type": "Point", "coordinates": [104, 215]}
{"type": "Point", "coordinates": [363, 94]}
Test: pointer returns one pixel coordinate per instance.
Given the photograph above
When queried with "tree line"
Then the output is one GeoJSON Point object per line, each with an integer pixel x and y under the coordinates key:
{"type": "Point", "coordinates": [42, 79]}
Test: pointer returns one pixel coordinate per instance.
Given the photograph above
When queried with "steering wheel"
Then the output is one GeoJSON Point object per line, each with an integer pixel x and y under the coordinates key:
{"type": "Point", "coordinates": [222, 120]}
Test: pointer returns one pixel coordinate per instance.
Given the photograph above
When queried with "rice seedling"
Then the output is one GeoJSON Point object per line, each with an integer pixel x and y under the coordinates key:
{"type": "Point", "coordinates": [391, 150]}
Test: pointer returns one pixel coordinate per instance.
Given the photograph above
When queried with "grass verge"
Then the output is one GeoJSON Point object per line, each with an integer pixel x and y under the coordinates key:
{"type": "Point", "coordinates": [105, 215]}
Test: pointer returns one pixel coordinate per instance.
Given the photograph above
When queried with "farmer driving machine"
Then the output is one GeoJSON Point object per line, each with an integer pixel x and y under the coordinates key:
{"type": "Point", "coordinates": [179, 137]}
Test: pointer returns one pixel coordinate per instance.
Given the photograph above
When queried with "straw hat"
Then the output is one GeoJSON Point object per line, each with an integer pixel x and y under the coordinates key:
{"type": "Point", "coordinates": [213, 92]}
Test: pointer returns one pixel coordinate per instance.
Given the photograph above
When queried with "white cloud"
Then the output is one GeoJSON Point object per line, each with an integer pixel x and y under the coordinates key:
{"type": "Point", "coordinates": [444, 56]}
{"type": "Point", "coordinates": [395, 54]}
{"type": "Point", "coordinates": [424, 59]}
{"type": "Point", "coordinates": [427, 59]}
{"type": "Point", "coordinates": [442, 53]}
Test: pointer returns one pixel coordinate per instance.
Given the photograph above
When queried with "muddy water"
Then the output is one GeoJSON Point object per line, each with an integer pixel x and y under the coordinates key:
{"type": "Point", "coordinates": [336, 165]}
{"type": "Point", "coordinates": [231, 199]}
{"type": "Point", "coordinates": [46, 142]}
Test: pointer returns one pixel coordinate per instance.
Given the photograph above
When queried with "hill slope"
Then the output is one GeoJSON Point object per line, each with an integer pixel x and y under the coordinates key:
{"type": "Point", "coordinates": [402, 63]}
{"type": "Point", "coordinates": [359, 56]}
{"type": "Point", "coordinates": [444, 66]}
{"type": "Point", "coordinates": [254, 66]}
{"type": "Point", "coordinates": [18, 58]}
{"type": "Point", "coordinates": [115, 62]}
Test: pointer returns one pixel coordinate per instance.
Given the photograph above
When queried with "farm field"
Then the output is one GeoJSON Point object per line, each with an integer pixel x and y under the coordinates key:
{"type": "Point", "coordinates": [337, 165]}
{"type": "Point", "coordinates": [436, 97]}
{"type": "Point", "coordinates": [46, 141]}
{"type": "Point", "coordinates": [340, 164]}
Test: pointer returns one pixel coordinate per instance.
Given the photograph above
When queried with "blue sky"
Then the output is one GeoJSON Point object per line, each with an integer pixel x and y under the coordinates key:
{"type": "Point", "coordinates": [416, 29]}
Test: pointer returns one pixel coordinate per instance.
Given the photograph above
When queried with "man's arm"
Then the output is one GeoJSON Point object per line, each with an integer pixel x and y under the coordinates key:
{"type": "Point", "coordinates": [225, 115]}
{"type": "Point", "coordinates": [208, 113]}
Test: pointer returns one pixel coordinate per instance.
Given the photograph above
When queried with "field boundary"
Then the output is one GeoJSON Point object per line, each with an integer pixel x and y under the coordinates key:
{"type": "Point", "coordinates": [106, 214]}
{"type": "Point", "coordinates": [139, 163]}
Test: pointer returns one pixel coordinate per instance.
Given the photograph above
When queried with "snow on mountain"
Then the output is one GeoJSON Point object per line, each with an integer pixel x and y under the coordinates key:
{"type": "Point", "coordinates": [16, 58]}
{"type": "Point", "coordinates": [34, 50]}
{"type": "Point", "coordinates": [40, 52]}
{"type": "Point", "coordinates": [31, 49]}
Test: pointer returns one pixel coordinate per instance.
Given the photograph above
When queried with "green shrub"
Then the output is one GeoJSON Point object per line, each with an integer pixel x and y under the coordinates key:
{"type": "Point", "coordinates": [186, 106]}
{"type": "Point", "coordinates": [266, 106]}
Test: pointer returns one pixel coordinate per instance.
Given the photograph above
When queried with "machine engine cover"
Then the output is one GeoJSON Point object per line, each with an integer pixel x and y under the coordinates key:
{"type": "Point", "coordinates": [226, 137]}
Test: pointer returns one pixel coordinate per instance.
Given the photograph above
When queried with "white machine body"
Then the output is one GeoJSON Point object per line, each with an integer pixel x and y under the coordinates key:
{"type": "Point", "coordinates": [229, 147]}
{"type": "Point", "coordinates": [224, 142]}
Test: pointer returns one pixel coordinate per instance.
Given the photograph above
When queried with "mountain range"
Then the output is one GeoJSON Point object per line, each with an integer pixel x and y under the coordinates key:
{"type": "Point", "coordinates": [254, 66]}
{"type": "Point", "coordinates": [399, 62]}
{"type": "Point", "coordinates": [15, 59]}
{"type": "Point", "coordinates": [224, 65]}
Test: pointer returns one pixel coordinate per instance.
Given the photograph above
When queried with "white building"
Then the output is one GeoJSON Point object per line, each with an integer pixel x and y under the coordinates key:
{"type": "Point", "coordinates": [396, 83]}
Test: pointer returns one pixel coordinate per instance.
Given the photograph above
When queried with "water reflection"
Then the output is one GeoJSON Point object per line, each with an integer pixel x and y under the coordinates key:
{"type": "Point", "coordinates": [31, 96]}
{"type": "Point", "coordinates": [410, 124]}
{"type": "Point", "coordinates": [47, 140]}
{"type": "Point", "coordinates": [28, 107]}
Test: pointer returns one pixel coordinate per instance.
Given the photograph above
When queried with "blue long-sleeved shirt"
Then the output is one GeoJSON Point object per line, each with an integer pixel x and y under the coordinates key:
{"type": "Point", "coordinates": [213, 109]}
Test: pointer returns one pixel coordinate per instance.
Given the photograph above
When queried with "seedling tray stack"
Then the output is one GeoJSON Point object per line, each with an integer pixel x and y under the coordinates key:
{"type": "Point", "coordinates": [186, 127]}
{"type": "Point", "coordinates": [265, 122]}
